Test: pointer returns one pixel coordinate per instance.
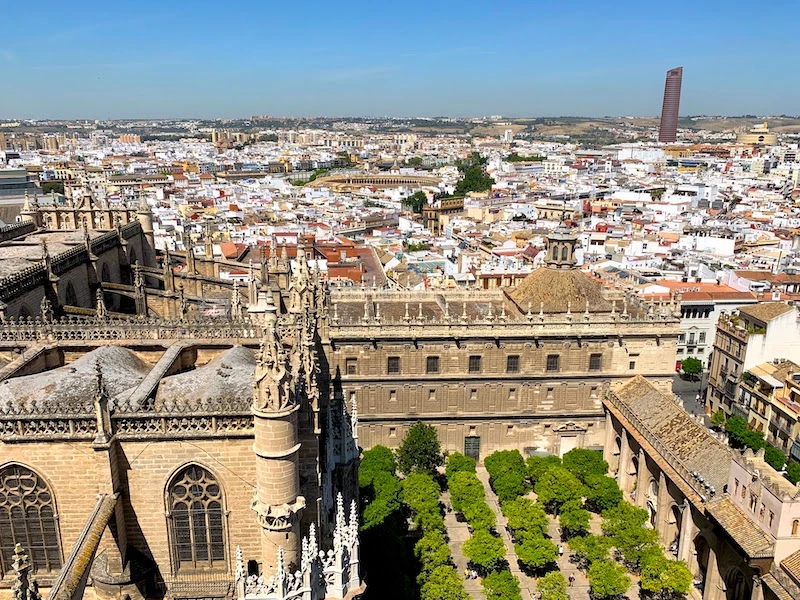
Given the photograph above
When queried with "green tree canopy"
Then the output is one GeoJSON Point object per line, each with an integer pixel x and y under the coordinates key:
{"type": "Point", "coordinates": [417, 201]}
{"type": "Point", "coordinates": [538, 465]}
{"type": "Point", "coordinates": [485, 551]}
{"type": "Point", "coordinates": [552, 586]}
{"type": "Point", "coordinates": [558, 486]}
{"type": "Point", "coordinates": [793, 471]}
{"type": "Point", "coordinates": [510, 485]}
{"type": "Point", "coordinates": [718, 418]}
{"type": "Point", "coordinates": [607, 579]}
{"type": "Point", "coordinates": [602, 492]}
{"type": "Point", "coordinates": [421, 492]}
{"type": "Point", "coordinates": [420, 450]}
{"type": "Point", "coordinates": [524, 514]}
{"type": "Point", "coordinates": [53, 186]}
{"type": "Point", "coordinates": [774, 457]}
{"type": "Point", "coordinates": [444, 583]}
{"type": "Point", "coordinates": [741, 436]}
{"type": "Point", "coordinates": [574, 519]}
{"type": "Point", "coordinates": [535, 551]}
{"type": "Point", "coordinates": [591, 548]}
{"type": "Point", "coordinates": [514, 157]}
{"type": "Point", "coordinates": [664, 578]}
{"type": "Point", "coordinates": [504, 461]}
{"type": "Point", "coordinates": [507, 474]}
{"type": "Point", "coordinates": [625, 525]}
{"type": "Point", "coordinates": [458, 462]}
{"type": "Point", "coordinates": [377, 460]}
{"type": "Point", "coordinates": [432, 552]}
{"type": "Point", "coordinates": [479, 515]}
{"type": "Point", "coordinates": [582, 462]}
{"type": "Point", "coordinates": [429, 521]}
{"type": "Point", "coordinates": [386, 500]}
{"type": "Point", "coordinates": [501, 585]}
{"type": "Point", "coordinates": [465, 488]}
{"type": "Point", "coordinates": [691, 365]}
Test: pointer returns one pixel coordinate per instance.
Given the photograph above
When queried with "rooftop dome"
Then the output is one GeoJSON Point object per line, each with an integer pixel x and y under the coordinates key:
{"type": "Point", "coordinates": [550, 290]}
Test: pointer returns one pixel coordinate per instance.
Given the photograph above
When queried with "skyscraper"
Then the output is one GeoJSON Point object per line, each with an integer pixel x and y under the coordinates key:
{"type": "Point", "coordinates": [668, 131]}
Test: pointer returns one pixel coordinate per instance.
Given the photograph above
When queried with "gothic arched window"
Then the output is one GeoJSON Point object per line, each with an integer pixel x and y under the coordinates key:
{"type": "Point", "coordinates": [28, 517]}
{"type": "Point", "coordinates": [71, 297]}
{"type": "Point", "coordinates": [105, 273]}
{"type": "Point", "coordinates": [564, 253]}
{"type": "Point", "coordinates": [196, 519]}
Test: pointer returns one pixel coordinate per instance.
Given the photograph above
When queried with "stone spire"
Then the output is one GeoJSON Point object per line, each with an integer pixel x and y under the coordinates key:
{"type": "Point", "coordinates": [102, 413]}
{"type": "Point", "coordinates": [100, 305]}
{"type": "Point", "coordinates": [278, 502]}
{"type": "Point", "coordinates": [209, 246]}
{"type": "Point", "coordinates": [25, 586]}
{"type": "Point", "coordinates": [300, 284]}
{"type": "Point", "coordinates": [28, 212]}
{"type": "Point", "coordinates": [236, 302]}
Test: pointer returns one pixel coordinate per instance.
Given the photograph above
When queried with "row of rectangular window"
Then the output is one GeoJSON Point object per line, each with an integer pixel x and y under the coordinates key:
{"type": "Point", "coordinates": [473, 393]}
{"type": "Point", "coordinates": [433, 364]}
{"type": "Point", "coordinates": [701, 338]}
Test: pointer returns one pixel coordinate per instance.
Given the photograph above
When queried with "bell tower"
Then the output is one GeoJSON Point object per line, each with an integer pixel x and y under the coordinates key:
{"type": "Point", "coordinates": [277, 503]}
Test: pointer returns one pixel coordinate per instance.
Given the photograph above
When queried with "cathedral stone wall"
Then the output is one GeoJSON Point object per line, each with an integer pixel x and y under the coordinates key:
{"type": "Point", "coordinates": [75, 473]}
{"type": "Point", "coordinates": [153, 465]}
{"type": "Point", "coordinates": [72, 473]}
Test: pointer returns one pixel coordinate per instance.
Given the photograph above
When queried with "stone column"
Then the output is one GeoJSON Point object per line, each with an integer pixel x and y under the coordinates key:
{"type": "Point", "coordinates": [713, 589]}
{"type": "Point", "coordinates": [608, 447]}
{"type": "Point", "coordinates": [758, 589]}
{"type": "Point", "coordinates": [662, 504]}
{"type": "Point", "coordinates": [687, 532]}
{"type": "Point", "coordinates": [624, 459]}
{"type": "Point", "coordinates": [641, 480]}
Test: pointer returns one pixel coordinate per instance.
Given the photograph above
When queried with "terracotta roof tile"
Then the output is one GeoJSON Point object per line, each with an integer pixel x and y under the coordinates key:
{"type": "Point", "coordinates": [688, 442]}
{"type": "Point", "coordinates": [765, 311]}
{"type": "Point", "coordinates": [747, 535]}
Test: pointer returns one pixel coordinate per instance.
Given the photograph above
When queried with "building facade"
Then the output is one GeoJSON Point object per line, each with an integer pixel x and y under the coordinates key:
{"type": "Point", "coordinates": [754, 334]}
{"type": "Point", "coordinates": [732, 518]}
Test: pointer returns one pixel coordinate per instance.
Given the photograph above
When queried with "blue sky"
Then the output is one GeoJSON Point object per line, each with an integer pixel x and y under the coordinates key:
{"type": "Point", "coordinates": [142, 58]}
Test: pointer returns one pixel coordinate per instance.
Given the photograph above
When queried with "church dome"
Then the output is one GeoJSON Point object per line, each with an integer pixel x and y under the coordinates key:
{"type": "Point", "coordinates": [550, 289]}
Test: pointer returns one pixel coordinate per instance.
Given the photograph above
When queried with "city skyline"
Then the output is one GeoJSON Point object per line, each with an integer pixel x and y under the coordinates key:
{"type": "Point", "coordinates": [450, 59]}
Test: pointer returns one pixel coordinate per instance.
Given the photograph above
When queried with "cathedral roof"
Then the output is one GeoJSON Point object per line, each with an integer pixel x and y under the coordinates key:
{"type": "Point", "coordinates": [676, 431]}
{"type": "Point", "coordinates": [551, 289]}
{"type": "Point", "coordinates": [228, 378]}
{"type": "Point", "coordinates": [72, 388]}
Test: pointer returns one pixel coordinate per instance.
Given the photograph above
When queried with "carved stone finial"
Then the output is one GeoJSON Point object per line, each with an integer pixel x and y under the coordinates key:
{"type": "Point", "coordinates": [354, 419]}
{"type": "Point", "coordinates": [25, 587]}
{"type": "Point", "coordinates": [46, 308]}
{"type": "Point", "coordinates": [100, 305]}
{"type": "Point", "coordinates": [240, 572]}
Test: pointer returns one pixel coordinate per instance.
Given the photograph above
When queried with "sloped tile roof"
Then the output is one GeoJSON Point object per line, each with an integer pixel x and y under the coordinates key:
{"type": "Point", "coordinates": [749, 536]}
{"type": "Point", "coordinates": [765, 311]}
{"type": "Point", "coordinates": [687, 441]}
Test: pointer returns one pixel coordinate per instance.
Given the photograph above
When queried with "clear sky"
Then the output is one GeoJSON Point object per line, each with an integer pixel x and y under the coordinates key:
{"type": "Point", "coordinates": [236, 58]}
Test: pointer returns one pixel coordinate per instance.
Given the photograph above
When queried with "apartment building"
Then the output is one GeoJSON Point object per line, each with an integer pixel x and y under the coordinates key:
{"type": "Point", "coordinates": [702, 304]}
{"type": "Point", "coordinates": [753, 335]}
{"type": "Point", "coordinates": [758, 391]}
